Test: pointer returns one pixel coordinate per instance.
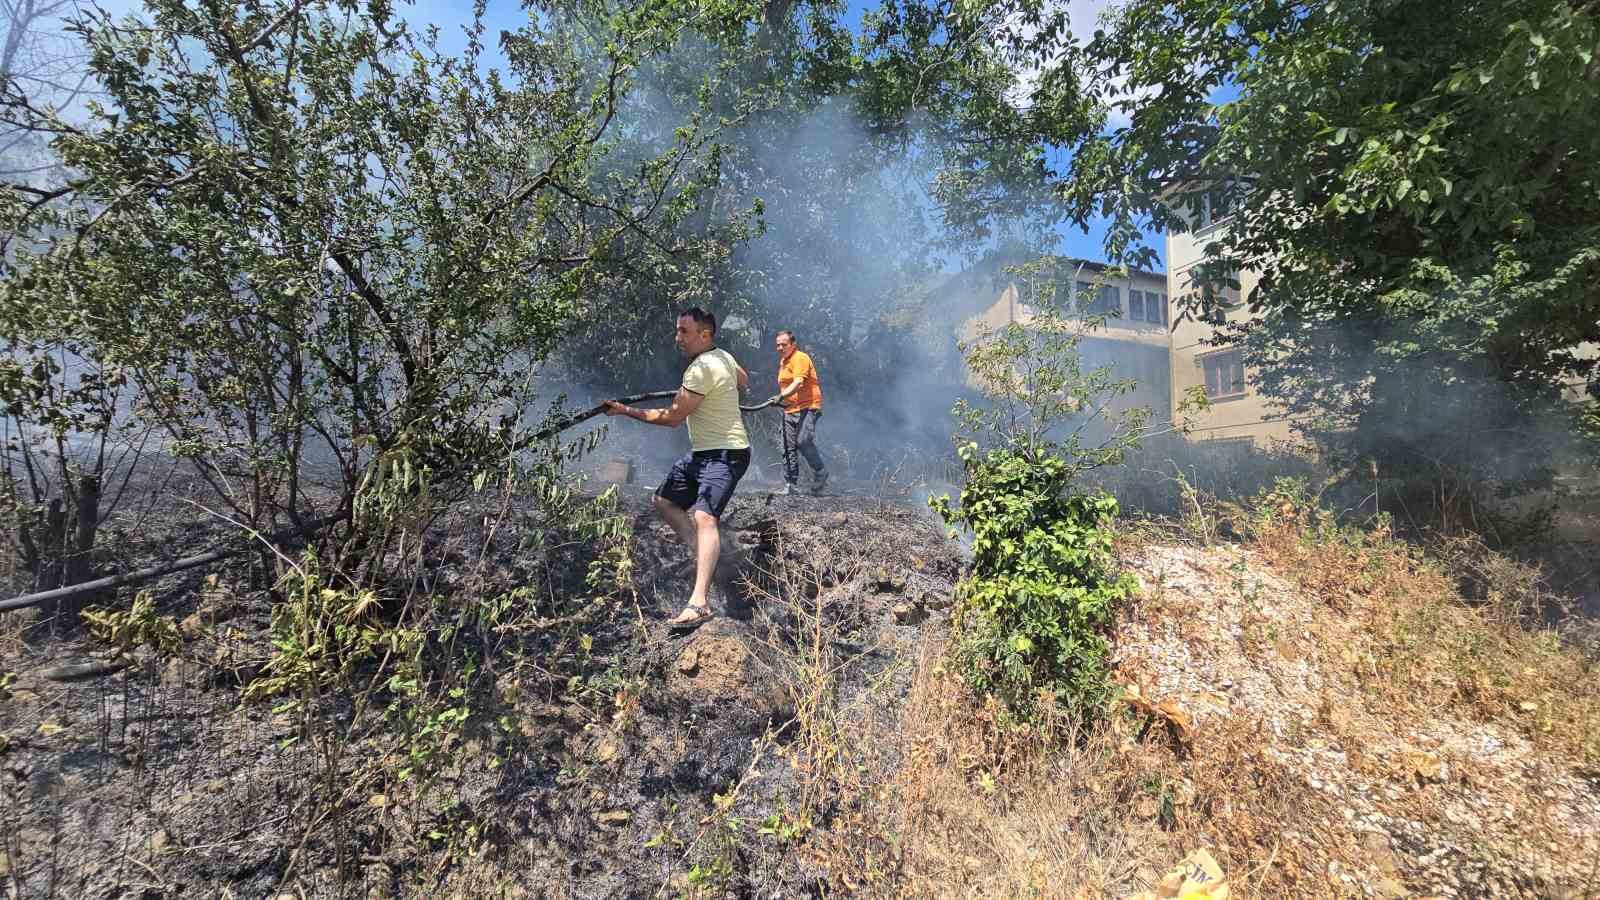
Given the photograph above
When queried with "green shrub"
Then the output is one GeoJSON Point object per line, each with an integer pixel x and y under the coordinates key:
{"type": "Point", "coordinates": [1032, 613]}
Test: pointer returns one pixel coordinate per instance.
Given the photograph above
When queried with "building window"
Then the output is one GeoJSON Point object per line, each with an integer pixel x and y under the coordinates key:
{"type": "Point", "coordinates": [1104, 300]}
{"type": "Point", "coordinates": [1218, 294]}
{"type": "Point", "coordinates": [1147, 306]}
{"type": "Point", "coordinates": [1215, 206]}
{"type": "Point", "coordinates": [1225, 297]}
{"type": "Point", "coordinates": [1108, 302]}
{"type": "Point", "coordinates": [1224, 375]}
{"type": "Point", "coordinates": [1228, 450]}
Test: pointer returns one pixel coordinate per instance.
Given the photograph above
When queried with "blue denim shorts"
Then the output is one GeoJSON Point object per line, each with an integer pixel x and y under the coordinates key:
{"type": "Point", "coordinates": [705, 479]}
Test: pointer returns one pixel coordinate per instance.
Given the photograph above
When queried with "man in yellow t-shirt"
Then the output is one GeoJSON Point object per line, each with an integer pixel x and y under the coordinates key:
{"type": "Point", "coordinates": [802, 407]}
{"type": "Point", "coordinates": [699, 485]}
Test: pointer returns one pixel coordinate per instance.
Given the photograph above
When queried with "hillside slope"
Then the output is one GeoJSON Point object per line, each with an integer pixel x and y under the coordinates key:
{"type": "Point", "coordinates": [1319, 709]}
{"type": "Point", "coordinates": [597, 754]}
{"type": "Point", "coordinates": [1385, 750]}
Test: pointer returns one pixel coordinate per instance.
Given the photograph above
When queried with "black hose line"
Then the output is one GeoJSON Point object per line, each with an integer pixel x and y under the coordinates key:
{"type": "Point", "coordinates": [553, 430]}
{"type": "Point", "coordinates": [153, 572]}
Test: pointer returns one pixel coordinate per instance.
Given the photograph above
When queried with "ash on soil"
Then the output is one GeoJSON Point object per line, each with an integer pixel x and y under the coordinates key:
{"type": "Point", "coordinates": [156, 781]}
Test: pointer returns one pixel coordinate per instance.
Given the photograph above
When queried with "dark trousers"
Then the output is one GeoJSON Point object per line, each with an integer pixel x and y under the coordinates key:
{"type": "Point", "coordinates": [800, 438]}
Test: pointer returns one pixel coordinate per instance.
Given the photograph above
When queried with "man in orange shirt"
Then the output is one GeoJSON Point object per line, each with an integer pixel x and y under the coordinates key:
{"type": "Point", "coordinates": [802, 406]}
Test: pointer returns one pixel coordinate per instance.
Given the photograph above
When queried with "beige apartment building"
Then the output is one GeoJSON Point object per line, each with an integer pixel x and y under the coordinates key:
{"type": "Point", "coordinates": [1133, 311]}
{"type": "Point", "coordinates": [1238, 414]}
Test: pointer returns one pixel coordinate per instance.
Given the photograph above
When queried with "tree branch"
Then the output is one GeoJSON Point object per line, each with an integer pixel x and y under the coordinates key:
{"type": "Point", "coordinates": [375, 302]}
{"type": "Point", "coordinates": [266, 33]}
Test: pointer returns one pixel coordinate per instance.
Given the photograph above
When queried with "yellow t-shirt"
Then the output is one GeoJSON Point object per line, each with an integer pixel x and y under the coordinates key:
{"type": "Point", "coordinates": [716, 424]}
{"type": "Point", "coordinates": [809, 394]}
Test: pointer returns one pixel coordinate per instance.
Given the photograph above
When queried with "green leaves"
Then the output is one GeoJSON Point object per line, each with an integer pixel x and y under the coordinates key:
{"type": "Point", "coordinates": [1371, 147]}
{"type": "Point", "coordinates": [1042, 400]}
{"type": "Point", "coordinates": [339, 241]}
{"type": "Point", "coordinates": [1032, 612]}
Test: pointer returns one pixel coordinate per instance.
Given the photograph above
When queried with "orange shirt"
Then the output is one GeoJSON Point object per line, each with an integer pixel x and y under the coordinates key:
{"type": "Point", "coordinates": [809, 394]}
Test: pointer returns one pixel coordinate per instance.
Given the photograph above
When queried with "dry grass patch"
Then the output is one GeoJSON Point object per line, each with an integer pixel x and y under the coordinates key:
{"type": "Point", "coordinates": [961, 807]}
{"type": "Point", "coordinates": [964, 807]}
{"type": "Point", "coordinates": [1431, 647]}
{"type": "Point", "coordinates": [1320, 708]}
{"type": "Point", "coordinates": [1448, 744]}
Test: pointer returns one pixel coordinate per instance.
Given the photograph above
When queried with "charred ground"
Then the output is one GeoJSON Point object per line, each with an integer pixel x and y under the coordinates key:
{"type": "Point", "coordinates": [592, 764]}
{"type": "Point", "coordinates": [1322, 708]}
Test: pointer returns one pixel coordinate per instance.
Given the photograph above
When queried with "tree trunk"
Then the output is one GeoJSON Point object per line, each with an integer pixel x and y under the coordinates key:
{"type": "Point", "coordinates": [55, 545]}
{"type": "Point", "coordinates": [79, 562]}
{"type": "Point", "coordinates": [26, 526]}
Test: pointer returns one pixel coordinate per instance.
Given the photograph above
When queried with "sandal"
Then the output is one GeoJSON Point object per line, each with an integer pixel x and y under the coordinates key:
{"type": "Point", "coordinates": [691, 617]}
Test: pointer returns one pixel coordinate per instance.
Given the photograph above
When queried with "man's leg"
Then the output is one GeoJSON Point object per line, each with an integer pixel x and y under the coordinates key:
{"type": "Point", "coordinates": [678, 518]}
{"type": "Point", "coordinates": [807, 440]}
{"type": "Point", "coordinates": [791, 439]}
{"type": "Point", "coordinates": [717, 480]}
{"type": "Point", "coordinates": [674, 497]}
{"type": "Point", "coordinates": [705, 560]}
{"type": "Point", "coordinates": [676, 494]}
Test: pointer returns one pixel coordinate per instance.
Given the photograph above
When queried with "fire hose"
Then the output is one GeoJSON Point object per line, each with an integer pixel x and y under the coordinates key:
{"type": "Point", "coordinates": [153, 572]}
{"type": "Point", "coordinates": [550, 431]}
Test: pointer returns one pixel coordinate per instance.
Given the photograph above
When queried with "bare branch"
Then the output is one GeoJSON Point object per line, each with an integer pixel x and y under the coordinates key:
{"type": "Point", "coordinates": [266, 33]}
{"type": "Point", "coordinates": [376, 303]}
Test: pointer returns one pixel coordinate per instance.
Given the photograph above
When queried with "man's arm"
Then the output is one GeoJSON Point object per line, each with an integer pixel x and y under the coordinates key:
{"type": "Point", "coordinates": [743, 376]}
{"type": "Point", "coordinates": [683, 404]}
{"type": "Point", "coordinates": [790, 388]}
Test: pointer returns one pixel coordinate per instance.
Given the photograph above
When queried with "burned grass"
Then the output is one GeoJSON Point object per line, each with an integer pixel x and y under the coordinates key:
{"type": "Point", "coordinates": [1323, 710]}
{"type": "Point", "coordinates": [565, 750]}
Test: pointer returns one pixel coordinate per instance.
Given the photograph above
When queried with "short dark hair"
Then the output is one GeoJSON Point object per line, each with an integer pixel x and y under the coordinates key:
{"type": "Point", "coordinates": [788, 334]}
{"type": "Point", "coordinates": [701, 317]}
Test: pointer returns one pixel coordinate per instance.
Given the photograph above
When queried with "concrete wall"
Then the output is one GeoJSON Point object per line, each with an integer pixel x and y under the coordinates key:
{"type": "Point", "coordinates": [1135, 349]}
{"type": "Point", "coordinates": [1236, 414]}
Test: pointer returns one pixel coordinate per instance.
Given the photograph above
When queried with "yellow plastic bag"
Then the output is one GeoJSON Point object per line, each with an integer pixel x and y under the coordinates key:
{"type": "Point", "coordinates": [1198, 877]}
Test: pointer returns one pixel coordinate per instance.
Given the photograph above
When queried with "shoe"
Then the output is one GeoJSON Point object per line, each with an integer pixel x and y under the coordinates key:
{"type": "Point", "coordinates": [820, 483]}
{"type": "Point", "coordinates": [788, 490]}
{"type": "Point", "coordinates": [691, 618]}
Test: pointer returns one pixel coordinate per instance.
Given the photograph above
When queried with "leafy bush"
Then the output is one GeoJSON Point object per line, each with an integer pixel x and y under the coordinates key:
{"type": "Point", "coordinates": [243, 262]}
{"type": "Point", "coordinates": [138, 626]}
{"type": "Point", "coordinates": [1031, 614]}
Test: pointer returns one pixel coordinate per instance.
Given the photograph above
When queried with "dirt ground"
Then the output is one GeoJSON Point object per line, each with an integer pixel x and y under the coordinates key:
{"type": "Point", "coordinates": [157, 781]}
{"type": "Point", "coordinates": [809, 741]}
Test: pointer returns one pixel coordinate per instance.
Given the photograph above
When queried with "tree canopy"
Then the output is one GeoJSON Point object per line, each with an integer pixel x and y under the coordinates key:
{"type": "Point", "coordinates": [868, 154]}
{"type": "Point", "coordinates": [1415, 183]}
{"type": "Point", "coordinates": [301, 235]}
{"type": "Point", "coordinates": [301, 228]}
